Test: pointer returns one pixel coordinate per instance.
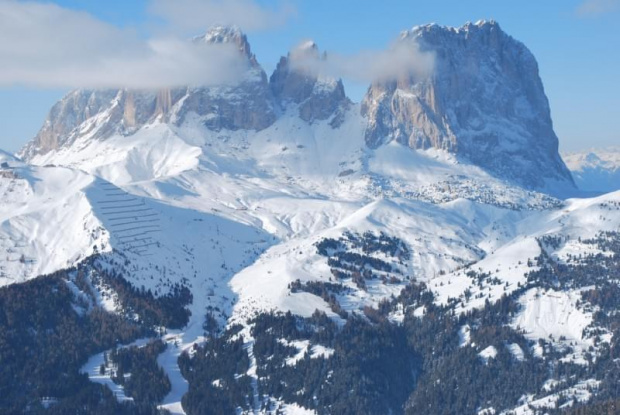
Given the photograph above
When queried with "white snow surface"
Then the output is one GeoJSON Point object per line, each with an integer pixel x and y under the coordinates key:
{"type": "Point", "coordinates": [235, 215]}
{"type": "Point", "coordinates": [578, 393]}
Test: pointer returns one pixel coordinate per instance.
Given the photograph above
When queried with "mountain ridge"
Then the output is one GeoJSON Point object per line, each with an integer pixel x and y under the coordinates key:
{"type": "Point", "coordinates": [513, 141]}
{"type": "Point", "coordinates": [313, 259]}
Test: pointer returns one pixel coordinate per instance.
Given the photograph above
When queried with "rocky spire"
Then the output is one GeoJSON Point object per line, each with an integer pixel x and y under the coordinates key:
{"type": "Point", "coordinates": [229, 34]}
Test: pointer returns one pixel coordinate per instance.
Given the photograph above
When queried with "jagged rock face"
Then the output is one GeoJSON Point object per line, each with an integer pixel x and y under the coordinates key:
{"type": "Point", "coordinates": [246, 106]}
{"type": "Point", "coordinates": [483, 101]}
{"type": "Point", "coordinates": [318, 98]}
{"type": "Point", "coordinates": [64, 116]}
{"type": "Point", "coordinates": [99, 114]}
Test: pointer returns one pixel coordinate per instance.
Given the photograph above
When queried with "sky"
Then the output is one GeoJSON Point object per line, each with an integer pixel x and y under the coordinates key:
{"type": "Point", "coordinates": [48, 48]}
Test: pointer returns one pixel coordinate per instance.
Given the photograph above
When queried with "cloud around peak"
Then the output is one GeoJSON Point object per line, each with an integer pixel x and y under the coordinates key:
{"type": "Point", "coordinates": [400, 59]}
{"type": "Point", "coordinates": [46, 45]}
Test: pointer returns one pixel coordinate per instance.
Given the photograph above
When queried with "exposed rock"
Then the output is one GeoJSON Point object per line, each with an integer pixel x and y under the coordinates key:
{"type": "Point", "coordinates": [100, 114]}
{"type": "Point", "coordinates": [484, 101]}
{"type": "Point", "coordinates": [318, 97]}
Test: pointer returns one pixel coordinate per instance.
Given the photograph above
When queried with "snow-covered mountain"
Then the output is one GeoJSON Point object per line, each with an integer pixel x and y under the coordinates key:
{"type": "Point", "coordinates": [484, 100]}
{"type": "Point", "coordinates": [595, 170]}
{"type": "Point", "coordinates": [431, 209]}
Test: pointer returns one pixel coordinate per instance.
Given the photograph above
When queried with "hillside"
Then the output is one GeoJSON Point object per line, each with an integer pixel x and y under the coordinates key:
{"type": "Point", "coordinates": [272, 247]}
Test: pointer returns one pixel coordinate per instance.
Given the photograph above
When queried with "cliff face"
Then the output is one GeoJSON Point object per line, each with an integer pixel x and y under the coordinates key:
{"type": "Point", "coordinates": [483, 101]}
{"type": "Point", "coordinates": [98, 114]}
{"type": "Point", "coordinates": [318, 98]}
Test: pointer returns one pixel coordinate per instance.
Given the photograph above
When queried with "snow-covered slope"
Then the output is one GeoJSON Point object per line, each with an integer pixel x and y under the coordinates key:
{"type": "Point", "coordinates": [257, 198]}
{"type": "Point", "coordinates": [595, 170]}
{"type": "Point", "coordinates": [52, 218]}
{"type": "Point", "coordinates": [47, 222]}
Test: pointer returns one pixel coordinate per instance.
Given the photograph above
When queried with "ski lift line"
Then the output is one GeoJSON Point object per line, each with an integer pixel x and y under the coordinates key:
{"type": "Point", "coordinates": [137, 240]}
{"type": "Point", "coordinates": [139, 234]}
{"type": "Point", "coordinates": [126, 211]}
{"type": "Point", "coordinates": [132, 217]}
{"type": "Point", "coordinates": [117, 200]}
{"type": "Point", "coordinates": [143, 246]}
{"type": "Point", "coordinates": [134, 222]}
{"type": "Point", "coordinates": [123, 206]}
{"type": "Point", "coordinates": [125, 238]}
{"type": "Point", "coordinates": [137, 227]}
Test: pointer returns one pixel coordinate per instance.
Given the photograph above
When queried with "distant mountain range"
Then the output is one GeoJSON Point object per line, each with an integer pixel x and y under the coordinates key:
{"type": "Point", "coordinates": [596, 170]}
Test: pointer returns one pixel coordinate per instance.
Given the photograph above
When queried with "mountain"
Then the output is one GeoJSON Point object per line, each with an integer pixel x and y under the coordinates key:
{"type": "Point", "coordinates": [483, 101]}
{"type": "Point", "coordinates": [97, 115]}
{"type": "Point", "coordinates": [596, 170]}
{"type": "Point", "coordinates": [271, 247]}
{"type": "Point", "coordinates": [318, 98]}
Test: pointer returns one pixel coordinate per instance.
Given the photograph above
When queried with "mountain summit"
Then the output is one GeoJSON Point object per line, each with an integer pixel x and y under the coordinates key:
{"type": "Point", "coordinates": [484, 101]}
{"type": "Point", "coordinates": [255, 247]}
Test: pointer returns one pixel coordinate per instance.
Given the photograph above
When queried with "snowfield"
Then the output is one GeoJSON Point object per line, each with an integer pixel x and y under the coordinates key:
{"type": "Point", "coordinates": [237, 216]}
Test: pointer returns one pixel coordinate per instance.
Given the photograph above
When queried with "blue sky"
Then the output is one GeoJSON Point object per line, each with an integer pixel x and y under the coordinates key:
{"type": "Point", "coordinates": [576, 43]}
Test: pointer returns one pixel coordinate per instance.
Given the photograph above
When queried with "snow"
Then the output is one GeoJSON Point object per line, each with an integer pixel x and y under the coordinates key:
{"type": "Point", "coordinates": [168, 361]}
{"type": "Point", "coordinates": [580, 392]}
{"type": "Point", "coordinates": [488, 353]}
{"type": "Point", "coordinates": [235, 215]}
{"type": "Point", "coordinates": [303, 347]}
{"type": "Point", "coordinates": [45, 211]}
{"type": "Point", "coordinates": [93, 366]}
{"type": "Point", "coordinates": [294, 409]}
{"type": "Point", "coordinates": [516, 351]}
{"type": "Point", "coordinates": [554, 315]}
{"type": "Point", "coordinates": [595, 170]}
{"type": "Point", "coordinates": [464, 335]}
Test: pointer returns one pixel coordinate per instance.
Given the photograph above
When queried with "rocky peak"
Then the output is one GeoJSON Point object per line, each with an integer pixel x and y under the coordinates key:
{"type": "Point", "coordinates": [229, 35]}
{"type": "Point", "coordinates": [296, 80]}
{"type": "Point", "coordinates": [99, 114]}
{"type": "Point", "coordinates": [484, 101]}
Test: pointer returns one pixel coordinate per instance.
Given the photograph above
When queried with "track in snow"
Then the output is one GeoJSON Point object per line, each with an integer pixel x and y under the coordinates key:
{"type": "Point", "coordinates": [129, 219]}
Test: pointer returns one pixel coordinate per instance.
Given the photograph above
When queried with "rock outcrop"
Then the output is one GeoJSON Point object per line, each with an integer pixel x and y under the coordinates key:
{"type": "Point", "coordinates": [484, 101]}
{"type": "Point", "coordinates": [99, 114]}
{"type": "Point", "coordinates": [318, 97]}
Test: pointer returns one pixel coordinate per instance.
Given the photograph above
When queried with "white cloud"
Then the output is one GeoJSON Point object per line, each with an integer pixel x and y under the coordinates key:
{"type": "Point", "coordinates": [401, 59]}
{"type": "Point", "coordinates": [589, 8]}
{"type": "Point", "coordinates": [195, 15]}
{"type": "Point", "coordinates": [45, 45]}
